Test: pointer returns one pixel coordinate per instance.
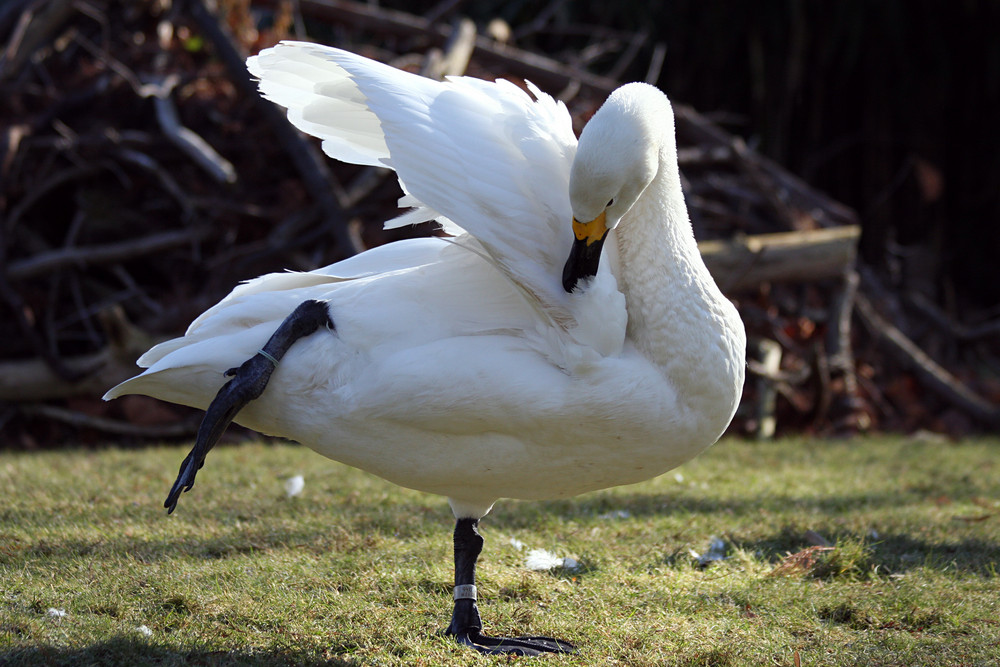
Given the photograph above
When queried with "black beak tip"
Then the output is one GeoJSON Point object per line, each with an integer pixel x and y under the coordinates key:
{"type": "Point", "coordinates": [568, 279]}
{"type": "Point", "coordinates": [583, 261]}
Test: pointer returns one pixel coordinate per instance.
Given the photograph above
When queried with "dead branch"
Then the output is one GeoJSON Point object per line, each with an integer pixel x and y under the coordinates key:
{"type": "Point", "coordinates": [770, 361]}
{"type": "Point", "coordinates": [309, 162]}
{"type": "Point", "coordinates": [838, 341]}
{"type": "Point", "coordinates": [934, 376]}
{"type": "Point", "coordinates": [47, 186]}
{"type": "Point", "coordinates": [186, 139]}
{"type": "Point", "coordinates": [704, 156]}
{"type": "Point", "coordinates": [167, 181]}
{"type": "Point", "coordinates": [656, 63]}
{"type": "Point", "coordinates": [764, 184]}
{"type": "Point", "coordinates": [942, 321]}
{"type": "Point", "coordinates": [837, 362]}
{"type": "Point", "coordinates": [544, 72]}
{"type": "Point", "coordinates": [454, 58]}
{"type": "Point", "coordinates": [48, 262]}
{"type": "Point", "coordinates": [36, 26]}
{"type": "Point", "coordinates": [696, 129]}
{"type": "Point", "coordinates": [178, 429]}
{"type": "Point", "coordinates": [441, 10]}
{"type": "Point", "coordinates": [628, 55]}
{"type": "Point", "coordinates": [767, 369]}
{"type": "Point", "coordinates": [48, 358]}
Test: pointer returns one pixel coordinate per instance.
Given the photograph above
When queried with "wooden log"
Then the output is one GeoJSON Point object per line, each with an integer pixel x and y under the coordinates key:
{"type": "Point", "coordinates": [27, 380]}
{"type": "Point", "coordinates": [746, 263]}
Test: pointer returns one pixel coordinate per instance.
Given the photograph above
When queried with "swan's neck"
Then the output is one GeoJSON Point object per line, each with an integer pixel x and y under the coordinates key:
{"type": "Point", "coordinates": [677, 317]}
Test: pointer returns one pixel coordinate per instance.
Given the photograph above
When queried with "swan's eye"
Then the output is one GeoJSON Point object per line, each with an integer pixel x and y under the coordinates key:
{"type": "Point", "coordinates": [610, 202]}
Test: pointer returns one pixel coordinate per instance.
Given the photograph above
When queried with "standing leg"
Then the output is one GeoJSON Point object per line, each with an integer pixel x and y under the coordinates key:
{"type": "Point", "coordinates": [466, 624]}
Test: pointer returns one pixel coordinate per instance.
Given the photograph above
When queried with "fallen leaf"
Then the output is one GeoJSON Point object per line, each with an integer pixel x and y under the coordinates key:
{"type": "Point", "coordinates": [798, 562]}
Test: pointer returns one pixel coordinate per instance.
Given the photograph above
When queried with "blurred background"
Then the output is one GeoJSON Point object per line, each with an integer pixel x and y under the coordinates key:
{"type": "Point", "coordinates": [841, 165]}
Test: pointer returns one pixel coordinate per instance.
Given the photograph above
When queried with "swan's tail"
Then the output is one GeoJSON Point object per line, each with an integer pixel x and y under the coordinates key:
{"type": "Point", "coordinates": [190, 370]}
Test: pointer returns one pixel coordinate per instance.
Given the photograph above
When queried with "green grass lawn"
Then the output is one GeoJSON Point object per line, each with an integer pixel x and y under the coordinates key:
{"type": "Point", "coordinates": [356, 571]}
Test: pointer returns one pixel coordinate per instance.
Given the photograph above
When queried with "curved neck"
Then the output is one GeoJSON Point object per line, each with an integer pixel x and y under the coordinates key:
{"type": "Point", "coordinates": [677, 317]}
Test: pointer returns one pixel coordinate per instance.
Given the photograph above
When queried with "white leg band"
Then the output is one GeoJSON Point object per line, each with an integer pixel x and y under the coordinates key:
{"type": "Point", "coordinates": [267, 356]}
{"type": "Point", "coordinates": [465, 592]}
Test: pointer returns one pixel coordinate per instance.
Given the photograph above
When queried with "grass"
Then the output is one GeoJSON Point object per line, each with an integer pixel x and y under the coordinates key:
{"type": "Point", "coordinates": [356, 571]}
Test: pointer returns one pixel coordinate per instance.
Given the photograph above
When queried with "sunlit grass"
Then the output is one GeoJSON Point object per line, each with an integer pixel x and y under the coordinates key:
{"type": "Point", "coordinates": [357, 571]}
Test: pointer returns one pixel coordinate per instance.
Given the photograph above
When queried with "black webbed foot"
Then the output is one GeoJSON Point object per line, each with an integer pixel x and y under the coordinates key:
{"type": "Point", "coordinates": [466, 624]}
{"type": "Point", "coordinates": [512, 645]}
{"type": "Point", "coordinates": [247, 383]}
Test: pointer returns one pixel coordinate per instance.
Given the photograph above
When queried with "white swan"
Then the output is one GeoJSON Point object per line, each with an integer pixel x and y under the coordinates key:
{"type": "Point", "coordinates": [488, 365]}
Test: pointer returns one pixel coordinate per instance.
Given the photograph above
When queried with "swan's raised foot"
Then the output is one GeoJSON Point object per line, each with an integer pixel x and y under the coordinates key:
{"type": "Point", "coordinates": [512, 645]}
{"type": "Point", "coordinates": [248, 382]}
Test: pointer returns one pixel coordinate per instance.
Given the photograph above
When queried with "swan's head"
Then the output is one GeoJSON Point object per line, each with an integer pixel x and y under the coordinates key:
{"type": "Point", "coordinates": [617, 157]}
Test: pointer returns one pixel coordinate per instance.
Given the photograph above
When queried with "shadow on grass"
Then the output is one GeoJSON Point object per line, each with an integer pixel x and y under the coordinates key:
{"type": "Point", "coordinates": [129, 651]}
{"type": "Point", "coordinates": [681, 502]}
{"type": "Point", "coordinates": [233, 543]}
{"type": "Point", "coordinates": [896, 552]}
{"type": "Point", "coordinates": [891, 553]}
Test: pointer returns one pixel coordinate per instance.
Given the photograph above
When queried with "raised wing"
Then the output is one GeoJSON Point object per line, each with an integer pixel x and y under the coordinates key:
{"type": "Point", "coordinates": [488, 157]}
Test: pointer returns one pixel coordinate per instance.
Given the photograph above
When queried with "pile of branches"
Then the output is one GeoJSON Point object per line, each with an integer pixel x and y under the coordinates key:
{"type": "Point", "coordinates": [143, 177]}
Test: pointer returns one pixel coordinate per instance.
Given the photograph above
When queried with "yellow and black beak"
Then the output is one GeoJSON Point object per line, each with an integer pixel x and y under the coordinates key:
{"type": "Point", "coordinates": [585, 255]}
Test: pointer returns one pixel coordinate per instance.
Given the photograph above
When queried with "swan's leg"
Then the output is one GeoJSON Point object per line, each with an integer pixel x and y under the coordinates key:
{"type": "Point", "coordinates": [247, 383]}
{"type": "Point", "coordinates": [465, 621]}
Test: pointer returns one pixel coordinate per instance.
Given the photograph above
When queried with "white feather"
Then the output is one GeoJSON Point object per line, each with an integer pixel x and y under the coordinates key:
{"type": "Point", "coordinates": [486, 157]}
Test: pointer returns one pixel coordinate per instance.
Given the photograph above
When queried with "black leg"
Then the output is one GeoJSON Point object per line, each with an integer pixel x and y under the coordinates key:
{"type": "Point", "coordinates": [247, 383]}
{"type": "Point", "coordinates": [466, 625]}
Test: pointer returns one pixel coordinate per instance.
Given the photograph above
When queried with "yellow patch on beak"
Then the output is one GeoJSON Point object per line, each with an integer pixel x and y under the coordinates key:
{"type": "Point", "coordinates": [592, 231]}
